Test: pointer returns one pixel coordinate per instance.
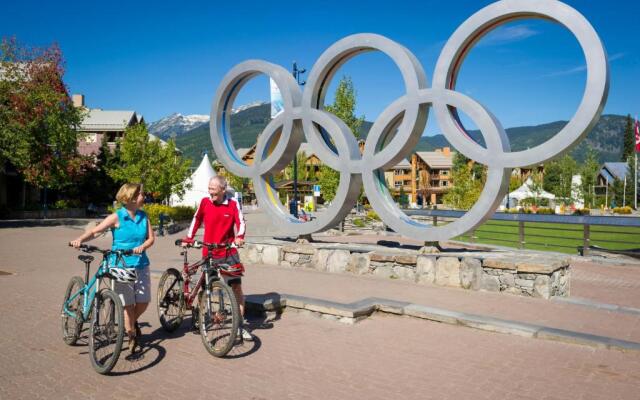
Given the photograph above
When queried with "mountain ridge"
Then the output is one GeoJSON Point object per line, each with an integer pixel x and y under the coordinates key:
{"type": "Point", "coordinates": [606, 137]}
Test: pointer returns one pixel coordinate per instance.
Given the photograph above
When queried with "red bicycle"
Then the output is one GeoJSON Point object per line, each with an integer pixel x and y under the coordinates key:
{"type": "Point", "coordinates": [217, 311]}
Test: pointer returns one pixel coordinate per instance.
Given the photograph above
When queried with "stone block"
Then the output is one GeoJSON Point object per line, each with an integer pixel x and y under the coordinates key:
{"type": "Point", "coordinates": [541, 265]}
{"type": "Point", "coordinates": [507, 280]}
{"type": "Point", "coordinates": [383, 271]}
{"type": "Point", "coordinates": [542, 287]}
{"type": "Point", "coordinates": [448, 271]}
{"type": "Point", "coordinates": [291, 257]}
{"type": "Point", "coordinates": [406, 259]}
{"type": "Point", "coordinates": [251, 255]}
{"type": "Point", "coordinates": [358, 263]}
{"type": "Point", "coordinates": [271, 255]}
{"type": "Point", "coordinates": [525, 283]}
{"type": "Point", "coordinates": [405, 272]}
{"type": "Point", "coordinates": [381, 257]}
{"type": "Point", "coordinates": [490, 283]}
{"type": "Point", "coordinates": [470, 273]}
{"type": "Point", "coordinates": [299, 248]}
{"type": "Point", "coordinates": [337, 260]}
{"type": "Point", "coordinates": [500, 263]}
{"type": "Point", "coordinates": [320, 259]}
{"type": "Point", "coordinates": [425, 269]}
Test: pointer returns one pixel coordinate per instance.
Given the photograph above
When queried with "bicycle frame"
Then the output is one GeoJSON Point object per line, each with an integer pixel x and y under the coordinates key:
{"type": "Point", "coordinates": [90, 288]}
{"type": "Point", "coordinates": [189, 270]}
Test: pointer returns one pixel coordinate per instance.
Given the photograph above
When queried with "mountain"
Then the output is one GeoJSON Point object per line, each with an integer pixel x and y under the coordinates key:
{"type": "Point", "coordinates": [248, 121]}
{"type": "Point", "coordinates": [605, 138]}
{"type": "Point", "coordinates": [176, 123]}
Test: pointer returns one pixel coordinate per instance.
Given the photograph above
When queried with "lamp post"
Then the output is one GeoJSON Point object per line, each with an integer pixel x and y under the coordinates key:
{"type": "Point", "coordinates": [297, 72]}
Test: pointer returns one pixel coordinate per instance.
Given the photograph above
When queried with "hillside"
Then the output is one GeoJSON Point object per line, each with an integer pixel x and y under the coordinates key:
{"type": "Point", "coordinates": [605, 138]}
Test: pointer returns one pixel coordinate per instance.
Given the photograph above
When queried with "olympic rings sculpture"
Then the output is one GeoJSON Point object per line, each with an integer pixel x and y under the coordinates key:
{"type": "Point", "coordinates": [398, 129]}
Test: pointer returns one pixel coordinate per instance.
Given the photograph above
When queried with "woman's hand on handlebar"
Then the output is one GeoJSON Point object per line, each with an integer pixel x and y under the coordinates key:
{"type": "Point", "coordinates": [238, 242]}
{"type": "Point", "coordinates": [75, 243]}
{"type": "Point", "coordinates": [138, 250]}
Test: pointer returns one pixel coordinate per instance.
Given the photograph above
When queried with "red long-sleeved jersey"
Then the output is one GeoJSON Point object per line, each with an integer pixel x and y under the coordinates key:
{"type": "Point", "coordinates": [222, 223]}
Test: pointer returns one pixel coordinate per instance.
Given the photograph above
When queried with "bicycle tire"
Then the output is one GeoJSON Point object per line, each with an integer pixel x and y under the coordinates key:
{"type": "Point", "coordinates": [170, 297]}
{"type": "Point", "coordinates": [215, 319]}
{"type": "Point", "coordinates": [72, 327]}
{"type": "Point", "coordinates": [106, 329]}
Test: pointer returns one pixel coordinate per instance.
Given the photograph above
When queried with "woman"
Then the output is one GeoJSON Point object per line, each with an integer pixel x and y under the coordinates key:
{"type": "Point", "coordinates": [131, 230]}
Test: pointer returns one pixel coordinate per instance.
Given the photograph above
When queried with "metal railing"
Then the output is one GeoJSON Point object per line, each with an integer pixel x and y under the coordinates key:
{"type": "Point", "coordinates": [539, 231]}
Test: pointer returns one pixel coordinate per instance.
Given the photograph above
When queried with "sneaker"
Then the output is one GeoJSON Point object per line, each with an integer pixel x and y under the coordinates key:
{"type": "Point", "coordinates": [245, 335]}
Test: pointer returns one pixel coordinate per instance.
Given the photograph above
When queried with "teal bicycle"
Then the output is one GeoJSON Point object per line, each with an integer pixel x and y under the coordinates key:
{"type": "Point", "coordinates": [86, 302]}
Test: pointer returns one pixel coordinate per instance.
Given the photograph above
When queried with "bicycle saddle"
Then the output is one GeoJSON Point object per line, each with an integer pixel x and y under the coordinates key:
{"type": "Point", "coordinates": [85, 258]}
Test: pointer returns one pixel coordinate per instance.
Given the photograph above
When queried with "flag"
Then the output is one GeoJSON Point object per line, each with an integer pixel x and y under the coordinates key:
{"type": "Point", "coordinates": [637, 136]}
{"type": "Point", "coordinates": [277, 104]}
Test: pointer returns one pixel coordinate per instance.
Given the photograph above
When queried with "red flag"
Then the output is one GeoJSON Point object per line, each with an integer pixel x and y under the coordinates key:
{"type": "Point", "coordinates": [637, 137]}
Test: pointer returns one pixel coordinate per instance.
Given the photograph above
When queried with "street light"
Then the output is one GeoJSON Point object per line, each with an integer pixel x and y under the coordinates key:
{"type": "Point", "coordinates": [297, 72]}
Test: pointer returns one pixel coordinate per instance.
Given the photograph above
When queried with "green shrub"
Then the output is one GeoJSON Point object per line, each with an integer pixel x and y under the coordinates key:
{"type": "Point", "coordinates": [65, 203]}
{"type": "Point", "coordinates": [182, 213]}
{"type": "Point", "coordinates": [373, 215]}
{"type": "Point", "coordinates": [622, 210]}
{"type": "Point", "coordinates": [179, 213]}
{"type": "Point", "coordinates": [61, 204]}
{"type": "Point", "coordinates": [358, 222]}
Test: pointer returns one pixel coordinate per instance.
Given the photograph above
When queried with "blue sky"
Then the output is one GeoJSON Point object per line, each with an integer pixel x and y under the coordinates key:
{"type": "Point", "coordinates": [158, 58]}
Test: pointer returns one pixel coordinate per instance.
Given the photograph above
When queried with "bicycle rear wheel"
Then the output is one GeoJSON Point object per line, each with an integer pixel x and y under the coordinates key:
{"type": "Point", "coordinates": [170, 300]}
{"type": "Point", "coordinates": [107, 331]}
{"type": "Point", "coordinates": [71, 327]}
{"type": "Point", "coordinates": [219, 318]}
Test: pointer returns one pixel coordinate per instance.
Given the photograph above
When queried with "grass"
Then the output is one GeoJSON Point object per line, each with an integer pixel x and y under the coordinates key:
{"type": "Point", "coordinates": [563, 238]}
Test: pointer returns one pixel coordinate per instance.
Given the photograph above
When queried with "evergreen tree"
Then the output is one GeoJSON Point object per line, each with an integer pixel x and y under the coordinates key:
{"type": "Point", "coordinates": [558, 176]}
{"type": "Point", "coordinates": [589, 172]}
{"type": "Point", "coordinates": [344, 107]}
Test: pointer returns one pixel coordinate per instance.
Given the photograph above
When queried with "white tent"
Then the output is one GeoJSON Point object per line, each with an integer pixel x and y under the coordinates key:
{"type": "Point", "coordinates": [514, 198]}
{"type": "Point", "coordinates": [199, 185]}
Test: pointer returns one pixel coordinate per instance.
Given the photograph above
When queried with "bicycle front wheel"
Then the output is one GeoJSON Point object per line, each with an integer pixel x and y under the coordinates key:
{"type": "Point", "coordinates": [219, 318]}
{"type": "Point", "coordinates": [72, 326]}
{"type": "Point", "coordinates": [107, 331]}
{"type": "Point", "coordinates": [170, 300]}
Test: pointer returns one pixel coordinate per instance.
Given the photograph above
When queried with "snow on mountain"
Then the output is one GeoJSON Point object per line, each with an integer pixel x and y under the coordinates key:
{"type": "Point", "coordinates": [176, 123]}
{"type": "Point", "coordinates": [247, 106]}
{"type": "Point", "coordinates": [179, 124]}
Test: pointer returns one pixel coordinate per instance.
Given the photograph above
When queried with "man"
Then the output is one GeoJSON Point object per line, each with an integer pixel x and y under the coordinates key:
{"type": "Point", "coordinates": [223, 223]}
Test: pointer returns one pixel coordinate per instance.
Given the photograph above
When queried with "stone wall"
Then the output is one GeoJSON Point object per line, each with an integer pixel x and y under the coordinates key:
{"type": "Point", "coordinates": [520, 273]}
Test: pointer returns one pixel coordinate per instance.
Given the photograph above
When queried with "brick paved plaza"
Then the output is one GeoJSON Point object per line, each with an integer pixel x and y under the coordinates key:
{"type": "Point", "coordinates": [299, 356]}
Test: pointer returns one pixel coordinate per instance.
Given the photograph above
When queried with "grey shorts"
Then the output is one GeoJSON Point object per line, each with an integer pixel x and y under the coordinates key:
{"type": "Point", "coordinates": [136, 292]}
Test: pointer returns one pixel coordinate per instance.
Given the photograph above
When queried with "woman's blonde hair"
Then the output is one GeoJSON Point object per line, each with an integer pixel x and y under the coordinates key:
{"type": "Point", "coordinates": [128, 192]}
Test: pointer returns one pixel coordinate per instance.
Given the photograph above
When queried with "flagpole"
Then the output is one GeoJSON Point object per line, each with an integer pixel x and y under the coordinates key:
{"type": "Point", "coordinates": [635, 168]}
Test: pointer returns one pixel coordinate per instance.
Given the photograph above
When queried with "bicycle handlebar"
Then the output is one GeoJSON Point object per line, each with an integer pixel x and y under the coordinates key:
{"type": "Point", "coordinates": [93, 249]}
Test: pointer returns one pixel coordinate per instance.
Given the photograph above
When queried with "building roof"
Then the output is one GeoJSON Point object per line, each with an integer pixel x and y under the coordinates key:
{"type": "Point", "coordinates": [436, 159]}
{"type": "Point", "coordinates": [101, 120]}
{"type": "Point", "coordinates": [404, 164]}
{"type": "Point", "coordinates": [614, 170]}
